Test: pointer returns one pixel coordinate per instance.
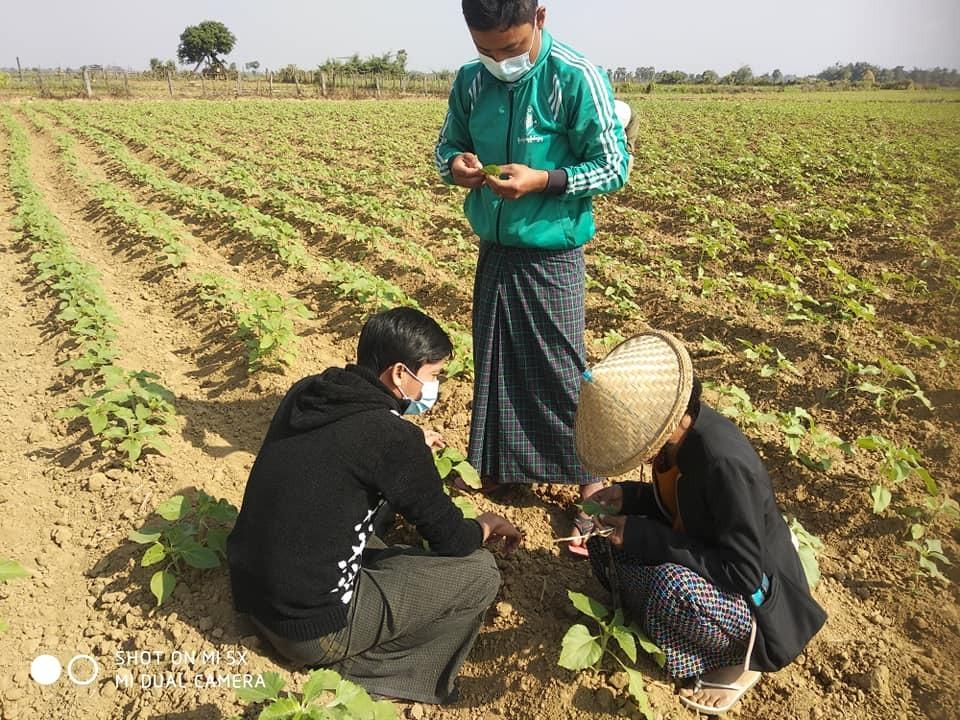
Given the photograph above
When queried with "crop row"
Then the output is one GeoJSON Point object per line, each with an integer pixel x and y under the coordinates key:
{"type": "Point", "coordinates": [128, 410]}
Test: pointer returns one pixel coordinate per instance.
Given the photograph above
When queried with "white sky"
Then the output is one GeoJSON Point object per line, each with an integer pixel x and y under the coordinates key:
{"type": "Point", "coordinates": [690, 35]}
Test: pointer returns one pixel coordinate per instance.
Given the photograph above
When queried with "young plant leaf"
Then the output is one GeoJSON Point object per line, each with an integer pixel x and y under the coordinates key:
{"type": "Point", "coordinates": [286, 709]}
{"type": "Point", "coordinates": [469, 475]}
{"type": "Point", "coordinates": [639, 693]}
{"type": "Point", "coordinates": [491, 169]}
{"type": "Point", "coordinates": [588, 606]}
{"type": "Point", "coordinates": [579, 649]}
{"type": "Point", "coordinates": [319, 681]}
{"type": "Point", "coordinates": [272, 685]}
{"type": "Point", "coordinates": [10, 570]}
{"type": "Point", "coordinates": [648, 646]}
{"type": "Point", "coordinates": [144, 536]}
{"type": "Point", "coordinates": [162, 584]}
{"type": "Point", "coordinates": [154, 554]}
{"type": "Point", "coordinates": [174, 508]}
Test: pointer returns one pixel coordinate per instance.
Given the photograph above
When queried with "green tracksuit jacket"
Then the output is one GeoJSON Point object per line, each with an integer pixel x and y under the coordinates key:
{"type": "Point", "coordinates": [559, 115]}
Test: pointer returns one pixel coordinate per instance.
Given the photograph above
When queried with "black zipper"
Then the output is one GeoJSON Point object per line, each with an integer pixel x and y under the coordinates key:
{"type": "Point", "coordinates": [509, 130]}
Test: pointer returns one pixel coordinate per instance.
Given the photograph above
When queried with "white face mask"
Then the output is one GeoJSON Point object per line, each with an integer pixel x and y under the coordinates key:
{"type": "Point", "coordinates": [511, 69]}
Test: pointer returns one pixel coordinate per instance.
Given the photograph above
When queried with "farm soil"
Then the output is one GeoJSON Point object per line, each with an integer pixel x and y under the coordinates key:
{"type": "Point", "coordinates": [886, 652]}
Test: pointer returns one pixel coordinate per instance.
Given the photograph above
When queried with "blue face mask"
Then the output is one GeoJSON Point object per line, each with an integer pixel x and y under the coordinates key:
{"type": "Point", "coordinates": [428, 396]}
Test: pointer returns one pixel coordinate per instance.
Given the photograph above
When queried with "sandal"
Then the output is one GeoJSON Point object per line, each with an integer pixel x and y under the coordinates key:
{"type": "Point", "coordinates": [738, 690]}
{"type": "Point", "coordinates": [584, 525]}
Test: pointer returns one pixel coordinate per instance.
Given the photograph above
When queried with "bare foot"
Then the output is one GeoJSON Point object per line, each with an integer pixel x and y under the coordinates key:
{"type": "Point", "coordinates": [719, 690]}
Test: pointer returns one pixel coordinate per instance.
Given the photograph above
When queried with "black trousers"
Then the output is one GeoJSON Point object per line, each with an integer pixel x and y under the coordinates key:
{"type": "Point", "coordinates": [412, 621]}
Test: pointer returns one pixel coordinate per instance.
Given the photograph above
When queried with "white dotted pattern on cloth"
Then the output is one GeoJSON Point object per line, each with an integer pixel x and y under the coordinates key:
{"type": "Point", "coordinates": [351, 566]}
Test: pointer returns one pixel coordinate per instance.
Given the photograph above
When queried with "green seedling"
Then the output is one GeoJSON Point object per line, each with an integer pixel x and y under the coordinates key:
{"type": "Point", "coordinates": [800, 430]}
{"type": "Point", "coordinates": [264, 320]}
{"type": "Point", "coordinates": [712, 346]}
{"type": "Point", "coordinates": [896, 384]}
{"type": "Point", "coordinates": [10, 570]}
{"type": "Point", "coordinates": [129, 413]}
{"type": "Point", "coordinates": [734, 402]}
{"type": "Point", "coordinates": [898, 464]}
{"type": "Point", "coordinates": [929, 552]}
{"type": "Point", "coordinates": [325, 696]}
{"type": "Point", "coordinates": [808, 546]}
{"type": "Point", "coordinates": [491, 169]}
{"type": "Point", "coordinates": [190, 535]}
{"type": "Point", "coordinates": [581, 650]}
{"type": "Point", "coordinates": [449, 460]}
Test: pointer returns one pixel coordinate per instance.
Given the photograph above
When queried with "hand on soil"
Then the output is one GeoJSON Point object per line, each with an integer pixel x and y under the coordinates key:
{"type": "Point", "coordinates": [496, 527]}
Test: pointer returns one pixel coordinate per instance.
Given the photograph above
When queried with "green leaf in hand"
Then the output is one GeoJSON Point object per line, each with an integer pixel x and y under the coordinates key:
{"type": "Point", "coordinates": [491, 169]}
{"type": "Point", "coordinates": [593, 508]}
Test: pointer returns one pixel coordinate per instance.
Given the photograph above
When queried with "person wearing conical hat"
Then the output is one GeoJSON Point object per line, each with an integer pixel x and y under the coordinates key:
{"type": "Point", "coordinates": [701, 556]}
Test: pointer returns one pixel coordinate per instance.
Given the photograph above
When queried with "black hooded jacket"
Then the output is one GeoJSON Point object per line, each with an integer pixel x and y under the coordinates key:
{"type": "Point", "coordinates": [335, 450]}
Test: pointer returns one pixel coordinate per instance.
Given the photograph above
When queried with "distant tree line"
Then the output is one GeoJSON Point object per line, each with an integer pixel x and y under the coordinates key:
{"type": "Point", "coordinates": [860, 73]}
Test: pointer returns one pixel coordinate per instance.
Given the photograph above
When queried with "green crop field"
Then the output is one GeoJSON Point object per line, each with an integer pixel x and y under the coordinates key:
{"type": "Point", "coordinates": [178, 264]}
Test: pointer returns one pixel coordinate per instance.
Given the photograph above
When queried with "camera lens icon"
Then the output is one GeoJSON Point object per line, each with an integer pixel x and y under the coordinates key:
{"type": "Point", "coordinates": [82, 669]}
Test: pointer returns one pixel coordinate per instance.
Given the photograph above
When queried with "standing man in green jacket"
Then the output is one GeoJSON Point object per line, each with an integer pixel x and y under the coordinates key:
{"type": "Point", "coordinates": [545, 115]}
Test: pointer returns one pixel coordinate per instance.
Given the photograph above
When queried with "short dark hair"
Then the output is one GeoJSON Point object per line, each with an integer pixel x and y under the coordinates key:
{"type": "Point", "coordinates": [403, 335]}
{"type": "Point", "coordinates": [693, 405]}
{"type": "Point", "coordinates": [486, 15]}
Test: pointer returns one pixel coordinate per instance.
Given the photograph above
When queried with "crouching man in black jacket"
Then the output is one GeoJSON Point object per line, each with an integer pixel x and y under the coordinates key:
{"type": "Point", "coordinates": [701, 556]}
{"type": "Point", "coordinates": [305, 562]}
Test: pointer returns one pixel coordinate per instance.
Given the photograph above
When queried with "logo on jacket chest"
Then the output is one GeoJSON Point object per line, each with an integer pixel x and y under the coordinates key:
{"type": "Point", "coordinates": [530, 126]}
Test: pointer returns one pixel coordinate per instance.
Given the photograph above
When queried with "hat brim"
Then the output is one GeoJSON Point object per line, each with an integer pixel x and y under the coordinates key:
{"type": "Point", "coordinates": [631, 402]}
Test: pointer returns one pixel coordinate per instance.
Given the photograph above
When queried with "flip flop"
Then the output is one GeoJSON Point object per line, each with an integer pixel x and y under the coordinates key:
{"type": "Point", "coordinates": [740, 690]}
{"type": "Point", "coordinates": [584, 525]}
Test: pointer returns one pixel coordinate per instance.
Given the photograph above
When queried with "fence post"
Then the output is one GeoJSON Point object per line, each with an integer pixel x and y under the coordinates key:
{"type": "Point", "coordinates": [169, 82]}
{"type": "Point", "coordinates": [296, 81]}
{"type": "Point", "coordinates": [19, 69]}
{"type": "Point", "coordinates": [239, 88]}
{"type": "Point", "coordinates": [203, 86]}
{"type": "Point", "coordinates": [323, 82]}
{"type": "Point", "coordinates": [86, 82]}
{"type": "Point", "coordinates": [270, 82]}
{"type": "Point", "coordinates": [126, 84]}
{"type": "Point", "coordinates": [40, 82]}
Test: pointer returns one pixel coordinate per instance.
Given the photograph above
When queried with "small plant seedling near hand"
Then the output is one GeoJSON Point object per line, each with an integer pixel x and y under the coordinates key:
{"type": "Point", "coordinates": [581, 650]}
{"type": "Point", "coordinates": [491, 169]}
{"type": "Point", "coordinates": [191, 534]}
{"type": "Point", "coordinates": [449, 460]}
{"type": "Point", "coordinates": [595, 509]}
{"type": "Point", "coordinates": [326, 696]}
{"type": "Point", "coordinates": [9, 570]}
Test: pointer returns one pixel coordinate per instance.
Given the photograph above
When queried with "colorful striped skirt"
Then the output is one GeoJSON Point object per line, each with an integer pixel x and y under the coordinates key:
{"type": "Point", "coordinates": [529, 354]}
{"type": "Point", "coordinates": [699, 627]}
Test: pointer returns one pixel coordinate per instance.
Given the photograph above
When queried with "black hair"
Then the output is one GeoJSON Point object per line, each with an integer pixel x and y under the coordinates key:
{"type": "Point", "coordinates": [401, 335]}
{"type": "Point", "coordinates": [486, 15]}
{"type": "Point", "coordinates": [693, 405]}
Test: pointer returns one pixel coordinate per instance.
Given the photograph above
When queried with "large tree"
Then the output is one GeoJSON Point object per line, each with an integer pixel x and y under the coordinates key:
{"type": "Point", "coordinates": [205, 43]}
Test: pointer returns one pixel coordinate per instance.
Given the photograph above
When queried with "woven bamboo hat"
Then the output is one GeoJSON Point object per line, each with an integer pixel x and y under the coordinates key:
{"type": "Point", "coordinates": [631, 402]}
